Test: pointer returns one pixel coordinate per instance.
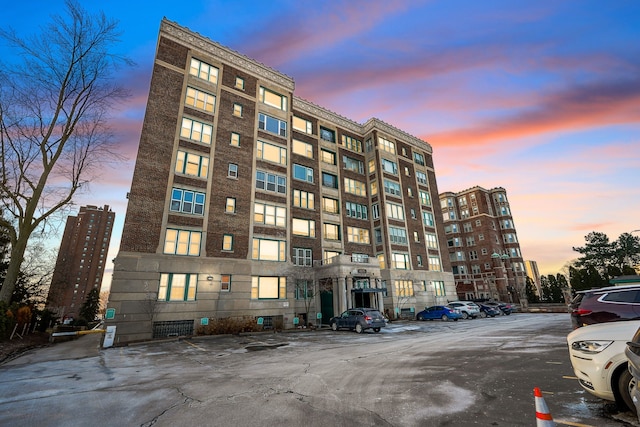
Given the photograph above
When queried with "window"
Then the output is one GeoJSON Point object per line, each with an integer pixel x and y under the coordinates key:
{"type": "Point", "coordinates": [303, 227]}
{"type": "Point", "coordinates": [352, 143]}
{"type": "Point", "coordinates": [185, 201]}
{"type": "Point", "coordinates": [418, 158]}
{"type": "Point", "coordinates": [431, 240]}
{"type": "Point", "coordinates": [239, 83]}
{"type": "Point", "coordinates": [329, 180]}
{"type": "Point", "coordinates": [391, 187]}
{"type": "Point", "coordinates": [409, 192]}
{"type": "Point", "coordinates": [225, 282]}
{"type": "Point", "coordinates": [269, 215]}
{"type": "Point", "coordinates": [454, 242]}
{"type": "Point", "coordinates": [227, 242]}
{"type": "Point", "coordinates": [386, 145]}
{"type": "Point", "coordinates": [327, 255]}
{"type": "Point", "coordinates": [303, 199]}
{"type": "Point", "coordinates": [304, 289]}
{"type": "Point", "coordinates": [302, 125]}
{"type": "Point", "coordinates": [182, 242]}
{"type": "Point", "coordinates": [471, 241]}
{"type": "Point", "coordinates": [358, 235]}
{"type": "Point", "coordinates": [421, 177]}
{"type": "Point", "coordinates": [331, 231]}
{"type": "Point", "coordinates": [268, 250]}
{"type": "Point", "coordinates": [196, 131]}
{"type": "Point", "coordinates": [353, 164]}
{"type": "Point", "coordinates": [272, 99]}
{"type": "Point", "coordinates": [355, 187]}
{"type": "Point", "coordinates": [413, 214]}
{"type": "Point", "coordinates": [328, 157]}
{"type": "Point", "coordinates": [355, 210]}
{"type": "Point", "coordinates": [419, 260]}
{"type": "Point", "coordinates": [406, 171]}
{"type": "Point", "coordinates": [271, 152]}
{"type": "Point", "coordinates": [416, 237]}
{"type": "Point", "coordinates": [473, 255]}
{"type": "Point", "coordinates": [373, 188]}
{"type": "Point", "coordinates": [398, 235]}
{"type": "Point", "coordinates": [232, 172]}
{"type": "Point", "coordinates": [438, 287]}
{"type": "Point", "coordinates": [230, 206]}
{"type": "Point", "coordinates": [235, 139]}
{"type": "Point", "coordinates": [368, 145]}
{"type": "Point", "coordinates": [389, 166]}
{"type": "Point", "coordinates": [302, 148]}
{"type": "Point", "coordinates": [403, 288]}
{"type": "Point", "coordinates": [327, 134]}
{"type": "Point", "coordinates": [378, 235]}
{"type": "Point", "coordinates": [434, 263]}
{"type": "Point", "coordinates": [263, 287]}
{"type": "Point", "coordinates": [302, 257]}
{"type": "Point", "coordinates": [372, 166]}
{"type": "Point", "coordinates": [200, 100]}
{"type": "Point", "coordinates": [427, 219]}
{"type": "Point", "coordinates": [395, 211]}
{"type": "Point", "coordinates": [375, 211]}
{"type": "Point", "coordinates": [237, 110]}
{"type": "Point", "coordinates": [203, 70]}
{"type": "Point", "coordinates": [400, 261]}
{"type": "Point", "coordinates": [271, 182]}
{"type": "Point", "coordinates": [302, 173]}
{"type": "Point", "coordinates": [466, 227]}
{"type": "Point", "coordinates": [273, 125]}
{"type": "Point", "coordinates": [177, 287]}
{"type": "Point", "coordinates": [330, 205]}
{"type": "Point", "coordinates": [425, 199]}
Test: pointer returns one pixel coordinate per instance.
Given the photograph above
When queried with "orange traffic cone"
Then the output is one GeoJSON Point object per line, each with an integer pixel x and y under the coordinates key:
{"type": "Point", "coordinates": [543, 416]}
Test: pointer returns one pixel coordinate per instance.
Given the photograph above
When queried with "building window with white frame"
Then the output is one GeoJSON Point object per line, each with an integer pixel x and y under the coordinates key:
{"type": "Point", "coordinates": [403, 288]}
{"type": "Point", "coordinates": [421, 177]}
{"type": "Point", "coordinates": [267, 214]}
{"type": "Point", "coordinates": [386, 145]}
{"type": "Point", "coordinates": [302, 125]}
{"type": "Point", "coordinates": [356, 187]}
{"type": "Point", "coordinates": [186, 201]}
{"type": "Point", "coordinates": [400, 261]}
{"type": "Point", "coordinates": [330, 205]}
{"type": "Point", "coordinates": [358, 235]}
{"type": "Point", "coordinates": [272, 124]}
{"type": "Point", "coordinates": [237, 110]}
{"type": "Point", "coordinates": [235, 139]}
{"type": "Point", "coordinates": [392, 188]}
{"type": "Point", "coordinates": [303, 199]}
{"type": "Point", "coordinates": [418, 158]}
{"type": "Point", "coordinates": [182, 242]}
{"type": "Point", "coordinates": [425, 198]}
{"type": "Point", "coordinates": [232, 171]}
{"type": "Point", "coordinates": [196, 131]}
{"type": "Point", "coordinates": [268, 250]}
{"type": "Point", "coordinates": [438, 287]}
{"type": "Point", "coordinates": [427, 219]}
{"type": "Point", "coordinates": [303, 257]}
{"type": "Point", "coordinates": [201, 100]}
{"type": "Point", "coordinates": [227, 242]}
{"type": "Point", "coordinates": [356, 210]}
{"type": "Point", "coordinates": [272, 99]}
{"type": "Point", "coordinates": [225, 283]}
{"type": "Point", "coordinates": [395, 211]}
{"type": "Point", "coordinates": [230, 205]}
{"type": "Point", "coordinates": [203, 70]}
{"type": "Point", "coordinates": [303, 227]}
{"type": "Point", "coordinates": [431, 240]}
{"type": "Point", "coordinates": [302, 148]}
{"type": "Point", "coordinates": [389, 167]}
{"type": "Point", "coordinates": [239, 83]}
{"type": "Point", "coordinates": [434, 263]}
{"type": "Point", "coordinates": [271, 182]}
{"type": "Point", "coordinates": [397, 235]}
{"type": "Point", "coordinates": [331, 231]}
{"type": "Point", "coordinates": [271, 152]}
{"type": "Point", "coordinates": [302, 173]}
{"type": "Point", "coordinates": [352, 143]}
{"type": "Point", "coordinates": [352, 164]}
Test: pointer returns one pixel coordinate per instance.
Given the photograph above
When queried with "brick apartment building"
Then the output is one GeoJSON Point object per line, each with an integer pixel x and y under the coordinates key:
{"type": "Point", "coordinates": [81, 259]}
{"type": "Point", "coordinates": [249, 201]}
{"type": "Point", "coordinates": [483, 245]}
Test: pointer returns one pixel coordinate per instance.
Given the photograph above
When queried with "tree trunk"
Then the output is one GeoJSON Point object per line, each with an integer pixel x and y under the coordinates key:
{"type": "Point", "coordinates": [13, 270]}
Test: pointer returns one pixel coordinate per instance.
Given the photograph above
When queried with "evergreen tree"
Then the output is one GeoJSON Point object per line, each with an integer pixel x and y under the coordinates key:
{"type": "Point", "coordinates": [530, 290]}
{"type": "Point", "coordinates": [91, 306]}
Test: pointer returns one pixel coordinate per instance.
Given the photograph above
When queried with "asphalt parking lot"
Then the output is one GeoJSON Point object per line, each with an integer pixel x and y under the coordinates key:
{"type": "Point", "coordinates": [474, 372]}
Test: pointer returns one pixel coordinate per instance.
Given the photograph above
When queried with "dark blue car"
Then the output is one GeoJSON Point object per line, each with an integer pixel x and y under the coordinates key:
{"type": "Point", "coordinates": [438, 312]}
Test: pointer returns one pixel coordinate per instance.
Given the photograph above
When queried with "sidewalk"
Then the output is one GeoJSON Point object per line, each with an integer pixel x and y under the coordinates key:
{"type": "Point", "coordinates": [80, 348]}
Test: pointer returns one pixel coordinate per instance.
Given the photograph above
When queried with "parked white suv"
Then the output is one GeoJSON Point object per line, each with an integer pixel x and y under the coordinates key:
{"type": "Point", "coordinates": [466, 308]}
{"type": "Point", "coordinates": [597, 354]}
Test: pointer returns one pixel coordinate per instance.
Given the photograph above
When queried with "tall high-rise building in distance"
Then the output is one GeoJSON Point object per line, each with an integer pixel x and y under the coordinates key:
{"type": "Point", "coordinates": [531, 267]}
{"type": "Point", "coordinates": [81, 259]}
{"type": "Point", "coordinates": [483, 245]}
{"type": "Point", "coordinates": [248, 201]}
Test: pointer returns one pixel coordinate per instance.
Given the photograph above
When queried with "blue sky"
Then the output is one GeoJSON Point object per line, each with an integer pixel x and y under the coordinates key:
{"type": "Point", "coordinates": [541, 98]}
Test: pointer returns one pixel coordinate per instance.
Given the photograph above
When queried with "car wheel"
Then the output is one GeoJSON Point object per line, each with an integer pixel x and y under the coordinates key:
{"type": "Point", "coordinates": [507, 313]}
{"type": "Point", "coordinates": [483, 314]}
{"type": "Point", "coordinates": [420, 317]}
{"type": "Point", "coordinates": [444, 318]}
{"type": "Point", "coordinates": [624, 383]}
{"type": "Point", "coordinates": [465, 315]}
{"type": "Point", "coordinates": [334, 326]}
{"type": "Point", "coordinates": [359, 328]}
{"type": "Point", "coordinates": [455, 320]}
{"type": "Point", "coordinates": [376, 330]}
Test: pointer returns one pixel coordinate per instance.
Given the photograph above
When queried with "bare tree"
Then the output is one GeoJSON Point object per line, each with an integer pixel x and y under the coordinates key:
{"type": "Point", "coordinates": [53, 122]}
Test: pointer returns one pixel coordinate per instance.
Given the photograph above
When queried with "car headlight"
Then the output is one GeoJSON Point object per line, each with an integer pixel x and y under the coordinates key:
{"type": "Point", "coordinates": [590, 347]}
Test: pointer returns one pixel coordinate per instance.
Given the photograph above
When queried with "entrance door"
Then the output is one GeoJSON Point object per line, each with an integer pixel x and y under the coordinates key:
{"type": "Point", "coordinates": [326, 306]}
{"type": "Point", "coordinates": [361, 299]}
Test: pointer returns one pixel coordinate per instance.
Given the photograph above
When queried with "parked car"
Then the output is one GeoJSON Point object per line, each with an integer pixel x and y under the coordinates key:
{"type": "Point", "coordinates": [359, 319]}
{"type": "Point", "coordinates": [505, 308]}
{"type": "Point", "coordinates": [467, 308]}
{"type": "Point", "coordinates": [597, 354]}
{"type": "Point", "coordinates": [633, 361]}
{"type": "Point", "coordinates": [489, 310]}
{"type": "Point", "coordinates": [609, 304]}
{"type": "Point", "coordinates": [439, 312]}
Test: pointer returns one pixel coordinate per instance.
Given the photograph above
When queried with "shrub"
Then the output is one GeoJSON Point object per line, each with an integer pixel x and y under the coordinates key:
{"type": "Point", "coordinates": [229, 325]}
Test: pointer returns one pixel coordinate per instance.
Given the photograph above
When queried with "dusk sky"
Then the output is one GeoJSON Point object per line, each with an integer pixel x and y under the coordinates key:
{"type": "Point", "coordinates": [539, 97]}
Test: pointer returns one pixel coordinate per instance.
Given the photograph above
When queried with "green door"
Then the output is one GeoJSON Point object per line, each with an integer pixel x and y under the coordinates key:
{"type": "Point", "coordinates": [326, 305]}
